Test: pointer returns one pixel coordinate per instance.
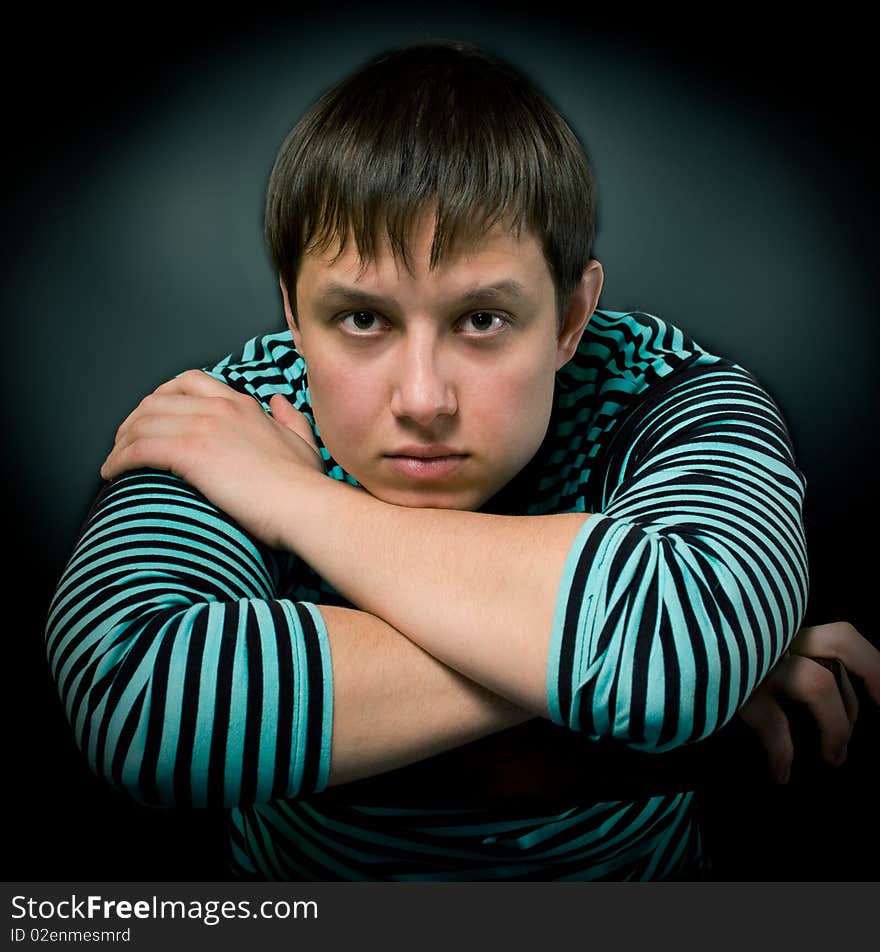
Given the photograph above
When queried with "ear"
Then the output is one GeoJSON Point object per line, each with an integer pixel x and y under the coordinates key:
{"type": "Point", "coordinates": [583, 301]}
{"type": "Point", "coordinates": [288, 314]}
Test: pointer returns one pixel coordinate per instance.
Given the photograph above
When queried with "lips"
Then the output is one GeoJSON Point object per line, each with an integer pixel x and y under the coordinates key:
{"type": "Point", "coordinates": [426, 451]}
{"type": "Point", "coordinates": [430, 462]}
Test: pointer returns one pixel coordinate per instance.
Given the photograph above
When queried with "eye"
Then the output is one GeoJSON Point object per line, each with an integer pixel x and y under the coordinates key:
{"type": "Point", "coordinates": [361, 322]}
{"type": "Point", "coordinates": [483, 323]}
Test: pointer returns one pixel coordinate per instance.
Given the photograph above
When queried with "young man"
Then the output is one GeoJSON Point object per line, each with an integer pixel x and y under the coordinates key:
{"type": "Point", "coordinates": [535, 509]}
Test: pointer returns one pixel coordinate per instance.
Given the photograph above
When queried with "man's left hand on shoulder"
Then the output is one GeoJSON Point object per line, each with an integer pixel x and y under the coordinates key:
{"type": "Point", "coordinates": [222, 442]}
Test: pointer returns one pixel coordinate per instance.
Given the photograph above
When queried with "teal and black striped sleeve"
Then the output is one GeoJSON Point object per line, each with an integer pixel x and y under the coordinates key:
{"type": "Point", "coordinates": [185, 676]}
{"type": "Point", "coordinates": [689, 580]}
{"type": "Point", "coordinates": [188, 674]}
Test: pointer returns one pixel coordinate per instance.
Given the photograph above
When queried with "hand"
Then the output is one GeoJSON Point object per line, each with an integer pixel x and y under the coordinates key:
{"type": "Point", "coordinates": [797, 677]}
{"type": "Point", "coordinates": [245, 461]}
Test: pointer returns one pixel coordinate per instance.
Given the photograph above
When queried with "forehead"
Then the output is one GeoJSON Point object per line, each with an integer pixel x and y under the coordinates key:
{"type": "Point", "coordinates": [502, 256]}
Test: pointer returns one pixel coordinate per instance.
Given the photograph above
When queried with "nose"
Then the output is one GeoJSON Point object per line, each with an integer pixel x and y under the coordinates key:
{"type": "Point", "coordinates": [422, 390]}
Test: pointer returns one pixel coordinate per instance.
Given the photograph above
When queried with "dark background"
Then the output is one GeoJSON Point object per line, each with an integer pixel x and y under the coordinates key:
{"type": "Point", "coordinates": [734, 156]}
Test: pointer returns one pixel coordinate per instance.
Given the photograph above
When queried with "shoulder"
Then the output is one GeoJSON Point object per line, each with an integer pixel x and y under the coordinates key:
{"type": "Point", "coordinates": [265, 365]}
{"type": "Point", "coordinates": [630, 367]}
{"type": "Point", "coordinates": [631, 350]}
{"type": "Point", "coordinates": [631, 358]}
{"type": "Point", "coordinates": [624, 358]}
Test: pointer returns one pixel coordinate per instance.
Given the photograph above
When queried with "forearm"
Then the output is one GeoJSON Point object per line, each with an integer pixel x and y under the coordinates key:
{"type": "Point", "coordinates": [651, 622]}
{"type": "Point", "coordinates": [476, 591]}
{"type": "Point", "coordinates": [189, 681]}
{"type": "Point", "coordinates": [495, 578]}
{"type": "Point", "coordinates": [394, 704]}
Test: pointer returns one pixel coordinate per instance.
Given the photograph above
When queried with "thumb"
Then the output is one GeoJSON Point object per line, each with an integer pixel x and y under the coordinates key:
{"type": "Point", "coordinates": [291, 419]}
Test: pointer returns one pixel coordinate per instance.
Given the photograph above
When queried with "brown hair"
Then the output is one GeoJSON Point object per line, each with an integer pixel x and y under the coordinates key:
{"type": "Point", "coordinates": [439, 126]}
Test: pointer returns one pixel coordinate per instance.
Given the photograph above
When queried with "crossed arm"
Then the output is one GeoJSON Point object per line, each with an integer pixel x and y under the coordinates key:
{"type": "Point", "coordinates": [423, 691]}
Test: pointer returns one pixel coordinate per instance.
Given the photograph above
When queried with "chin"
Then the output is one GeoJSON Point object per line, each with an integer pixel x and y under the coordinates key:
{"type": "Point", "coordinates": [429, 499]}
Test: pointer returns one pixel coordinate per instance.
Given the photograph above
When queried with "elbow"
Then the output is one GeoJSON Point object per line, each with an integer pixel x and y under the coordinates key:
{"type": "Point", "coordinates": [116, 694]}
{"type": "Point", "coordinates": [669, 659]}
{"type": "Point", "coordinates": [704, 673]}
{"type": "Point", "coordinates": [706, 655]}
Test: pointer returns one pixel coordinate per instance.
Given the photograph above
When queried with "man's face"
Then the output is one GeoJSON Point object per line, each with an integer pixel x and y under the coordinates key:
{"type": "Point", "coordinates": [434, 388]}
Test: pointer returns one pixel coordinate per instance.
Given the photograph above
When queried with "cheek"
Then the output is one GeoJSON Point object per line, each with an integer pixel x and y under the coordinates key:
{"type": "Point", "coordinates": [345, 403]}
{"type": "Point", "coordinates": [512, 413]}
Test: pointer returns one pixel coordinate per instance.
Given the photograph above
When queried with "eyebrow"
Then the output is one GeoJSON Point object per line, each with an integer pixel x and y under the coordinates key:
{"type": "Point", "coordinates": [342, 295]}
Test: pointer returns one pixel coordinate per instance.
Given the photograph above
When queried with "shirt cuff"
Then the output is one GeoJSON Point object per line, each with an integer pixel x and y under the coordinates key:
{"type": "Point", "coordinates": [313, 718]}
{"type": "Point", "coordinates": [573, 659]}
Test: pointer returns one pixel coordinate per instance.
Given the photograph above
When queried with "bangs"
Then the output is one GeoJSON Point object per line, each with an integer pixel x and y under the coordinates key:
{"type": "Point", "coordinates": [430, 130]}
{"type": "Point", "coordinates": [461, 219]}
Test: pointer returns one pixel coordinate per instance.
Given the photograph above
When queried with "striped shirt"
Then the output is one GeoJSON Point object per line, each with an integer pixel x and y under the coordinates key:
{"type": "Point", "coordinates": [194, 664]}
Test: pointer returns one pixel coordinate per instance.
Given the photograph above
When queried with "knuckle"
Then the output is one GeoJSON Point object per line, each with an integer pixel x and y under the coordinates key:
{"type": "Point", "coordinates": [813, 681]}
{"type": "Point", "coordinates": [222, 406]}
{"type": "Point", "coordinates": [834, 635]}
{"type": "Point", "coordinates": [840, 634]}
{"type": "Point", "coordinates": [133, 455]}
{"type": "Point", "coordinates": [847, 632]}
{"type": "Point", "coordinates": [816, 683]}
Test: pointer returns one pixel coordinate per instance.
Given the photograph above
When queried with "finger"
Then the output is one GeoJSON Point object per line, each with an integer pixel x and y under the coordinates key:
{"type": "Point", "coordinates": [197, 383]}
{"type": "Point", "coordinates": [767, 719]}
{"type": "Point", "coordinates": [806, 682]}
{"type": "Point", "coordinates": [162, 440]}
{"type": "Point", "coordinates": [850, 700]}
{"type": "Point", "coordinates": [841, 640]}
{"type": "Point", "coordinates": [284, 411]}
{"type": "Point", "coordinates": [290, 418]}
{"type": "Point", "coordinates": [168, 407]}
{"type": "Point", "coordinates": [148, 452]}
{"type": "Point", "coordinates": [156, 403]}
{"type": "Point", "coordinates": [844, 685]}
